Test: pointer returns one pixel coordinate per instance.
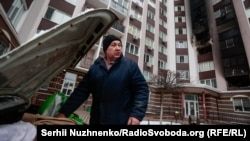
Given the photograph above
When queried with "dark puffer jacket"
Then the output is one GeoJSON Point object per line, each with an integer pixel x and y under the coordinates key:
{"type": "Point", "coordinates": [117, 93]}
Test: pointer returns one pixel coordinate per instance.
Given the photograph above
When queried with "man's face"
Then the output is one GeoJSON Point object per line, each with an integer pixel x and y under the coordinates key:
{"type": "Point", "coordinates": [114, 50]}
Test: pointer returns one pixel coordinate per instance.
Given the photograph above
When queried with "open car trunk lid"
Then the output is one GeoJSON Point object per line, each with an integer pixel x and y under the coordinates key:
{"type": "Point", "coordinates": [25, 69]}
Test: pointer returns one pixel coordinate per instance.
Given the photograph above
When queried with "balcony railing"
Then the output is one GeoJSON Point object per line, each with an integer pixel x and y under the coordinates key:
{"type": "Point", "coordinates": [228, 118]}
{"type": "Point", "coordinates": [119, 27]}
{"type": "Point", "coordinates": [213, 116]}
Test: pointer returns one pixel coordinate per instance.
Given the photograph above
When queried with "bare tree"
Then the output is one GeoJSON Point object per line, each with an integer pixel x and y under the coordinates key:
{"type": "Point", "coordinates": [165, 82]}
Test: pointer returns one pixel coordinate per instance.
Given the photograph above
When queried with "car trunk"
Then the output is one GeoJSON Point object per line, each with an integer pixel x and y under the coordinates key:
{"type": "Point", "coordinates": [26, 68]}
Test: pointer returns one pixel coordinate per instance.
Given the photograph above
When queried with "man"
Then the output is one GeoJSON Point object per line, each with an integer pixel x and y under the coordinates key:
{"type": "Point", "coordinates": [119, 91]}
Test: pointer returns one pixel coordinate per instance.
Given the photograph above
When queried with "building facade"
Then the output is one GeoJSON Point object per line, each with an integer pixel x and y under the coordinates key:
{"type": "Point", "coordinates": [206, 44]}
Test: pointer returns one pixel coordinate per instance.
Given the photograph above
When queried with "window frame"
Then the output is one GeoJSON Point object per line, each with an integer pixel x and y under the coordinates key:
{"type": "Point", "coordinates": [241, 102]}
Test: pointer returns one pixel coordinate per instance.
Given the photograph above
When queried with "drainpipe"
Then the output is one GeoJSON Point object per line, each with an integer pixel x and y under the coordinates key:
{"type": "Point", "coordinates": [161, 113]}
{"type": "Point", "coordinates": [204, 105]}
{"type": "Point", "coordinates": [218, 114]}
{"type": "Point", "coordinates": [182, 101]}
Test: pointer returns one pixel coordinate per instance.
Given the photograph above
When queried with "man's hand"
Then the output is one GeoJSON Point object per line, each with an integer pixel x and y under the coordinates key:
{"type": "Point", "coordinates": [133, 121]}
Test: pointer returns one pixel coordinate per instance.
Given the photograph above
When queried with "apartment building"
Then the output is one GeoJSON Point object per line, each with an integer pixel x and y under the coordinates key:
{"type": "Point", "coordinates": [205, 43]}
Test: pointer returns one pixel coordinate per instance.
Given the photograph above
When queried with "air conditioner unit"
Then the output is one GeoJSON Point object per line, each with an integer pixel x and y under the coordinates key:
{"type": "Point", "coordinates": [150, 48]}
{"type": "Point", "coordinates": [135, 37]}
{"type": "Point", "coordinates": [131, 17]}
{"type": "Point", "coordinates": [136, 5]}
{"type": "Point", "coordinates": [149, 64]}
{"type": "Point", "coordinates": [164, 40]}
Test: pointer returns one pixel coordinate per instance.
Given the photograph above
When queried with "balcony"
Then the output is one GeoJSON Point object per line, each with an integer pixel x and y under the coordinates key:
{"type": "Point", "coordinates": [120, 10]}
{"type": "Point", "coordinates": [118, 27]}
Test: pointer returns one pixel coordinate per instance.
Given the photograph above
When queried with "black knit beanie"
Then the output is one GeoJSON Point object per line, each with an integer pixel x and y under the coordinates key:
{"type": "Point", "coordinates": [107, 40]}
